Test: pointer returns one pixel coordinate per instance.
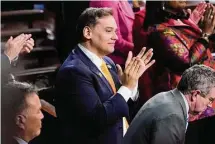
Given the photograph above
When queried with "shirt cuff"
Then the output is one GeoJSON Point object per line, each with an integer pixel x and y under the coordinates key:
{"type": "Point", "coordinates": [135, 93]}
{"type": "Point", "coordinates": [125, 92]}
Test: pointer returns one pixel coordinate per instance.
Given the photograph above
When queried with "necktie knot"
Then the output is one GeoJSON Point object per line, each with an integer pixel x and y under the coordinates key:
{"type": "Point", "coordinates": [104, 66]}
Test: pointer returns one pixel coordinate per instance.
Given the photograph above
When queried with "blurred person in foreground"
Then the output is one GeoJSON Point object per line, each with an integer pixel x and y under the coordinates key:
{"type": "Point", "coordinates": [21, 113]}
{"type": "Point", "coordinates": [163, 119]}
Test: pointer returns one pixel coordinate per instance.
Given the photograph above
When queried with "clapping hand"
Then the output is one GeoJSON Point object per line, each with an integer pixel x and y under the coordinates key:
{"type": "Point", "coordinates": [20, 44]}
{"type": "Point", "coordinates": [135, 67]}
{"type": "Point", "coordinates": [208, 21]}
{"type": "Point", "coordinates": [198, 12]}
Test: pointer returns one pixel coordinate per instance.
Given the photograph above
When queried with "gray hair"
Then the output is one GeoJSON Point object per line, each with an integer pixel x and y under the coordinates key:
{"type": "Point", "coordinates": [197, 77]}
{"type": "Point", "coordinates": [14, 102]}
{"type": "Point", "coordinates": [14, 94]}
{"type": "Point", "coordinates": [89, 17]}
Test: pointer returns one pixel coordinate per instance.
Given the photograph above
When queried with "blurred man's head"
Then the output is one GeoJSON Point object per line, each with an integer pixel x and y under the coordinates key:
{"type": "Point", "coordinates": [21, 110]}
{"type": "Point", "coordinates": [198, 85]}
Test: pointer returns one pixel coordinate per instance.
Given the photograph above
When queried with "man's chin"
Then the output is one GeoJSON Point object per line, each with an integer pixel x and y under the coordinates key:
{"type": "Point", "coordinates": [110, 51]}
{"type": "Point", "coordinates": [38, 133]}
{"type": "Point", "coordinates": [195, 113]}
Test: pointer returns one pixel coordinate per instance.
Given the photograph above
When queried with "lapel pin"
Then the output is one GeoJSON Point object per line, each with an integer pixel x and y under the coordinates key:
{"type": "Point", "coordinates": [109, 66]}
{"type": "Point", "coordinates": [100, 74]}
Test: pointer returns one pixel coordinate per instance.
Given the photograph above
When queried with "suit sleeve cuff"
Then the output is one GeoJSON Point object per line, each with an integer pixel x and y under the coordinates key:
{"type": "Point", "coordinates": [13, 60]}
{"type": "Point", "coordinates": [7, 58]}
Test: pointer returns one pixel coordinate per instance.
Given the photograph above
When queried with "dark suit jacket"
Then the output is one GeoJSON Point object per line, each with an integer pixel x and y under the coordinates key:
{"type": "Point", "coordinates": [10, 140]}
{"type": "Point", "coordinates": [162, 120]}
{"type": "Point", "coordinates": [86, 106]}
{"type": "Point", "coordinates": [14, 141]}
{"type": "Point", "coordinates": [5, 68]}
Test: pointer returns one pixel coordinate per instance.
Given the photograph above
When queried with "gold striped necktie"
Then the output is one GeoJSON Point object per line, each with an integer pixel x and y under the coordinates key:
{"type": "Point", "coordinates": [109, 78]}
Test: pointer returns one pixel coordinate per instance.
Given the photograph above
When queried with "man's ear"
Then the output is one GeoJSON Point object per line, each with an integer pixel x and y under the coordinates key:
{"type": "Point", "coordinates": [87, 32]}
{"type": "Point", "coordinates": [194, 95]}
{"type": "Point", "coordinates": [20, 121]}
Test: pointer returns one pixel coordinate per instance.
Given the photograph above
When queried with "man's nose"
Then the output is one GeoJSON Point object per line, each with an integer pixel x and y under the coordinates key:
{"type": "Point", "coordinates": [115, 37]}
{"type": "Point", "coordinates": [42, 116]}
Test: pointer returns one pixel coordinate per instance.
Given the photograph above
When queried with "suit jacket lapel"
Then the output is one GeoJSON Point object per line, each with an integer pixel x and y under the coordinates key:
{"type": "Point", "coordinates": [171, 23]}
{"type": "Point", "coordinates": [193, 26]}
{"type": "Point", "coordinates": [186, 23]}
{"type": "Point", "coordinates": [179, 98]}
{"type": "Point", "coordinates": [113, 74]}
{"type": "Point", "coordinates": [92, 67]}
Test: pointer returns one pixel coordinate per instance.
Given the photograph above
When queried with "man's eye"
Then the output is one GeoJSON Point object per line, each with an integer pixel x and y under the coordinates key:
{"type": "Point", "coordinates": [212, 99]}
{"type": "Point", "coordinates": [108, 30]}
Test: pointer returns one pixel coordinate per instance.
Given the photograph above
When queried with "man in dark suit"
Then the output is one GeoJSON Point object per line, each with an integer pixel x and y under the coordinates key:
{"type": "Point", "coordinates": [21, 113]}
{"type": "Point", "coordinates": [91, 100]}
{"type": "Point", "coordinates": [163, 119]}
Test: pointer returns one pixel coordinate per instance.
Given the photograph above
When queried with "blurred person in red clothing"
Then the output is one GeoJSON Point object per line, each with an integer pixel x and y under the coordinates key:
{"type": "Point", "coordinates": [177, 40]}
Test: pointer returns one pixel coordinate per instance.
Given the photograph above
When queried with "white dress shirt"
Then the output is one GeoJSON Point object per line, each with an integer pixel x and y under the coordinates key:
{"type": "Point", "coordinates": [124, 91]}
{"type": "Point", "coordinates": [19, 140]}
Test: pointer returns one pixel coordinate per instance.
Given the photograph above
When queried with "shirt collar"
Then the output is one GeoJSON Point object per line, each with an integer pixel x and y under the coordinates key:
{"type": "Point", "coordinates": [93, 57]}
{"type": "Point", "coordinates": [20, 141]}
{"type": "Point", "coordinates": [186, 103]}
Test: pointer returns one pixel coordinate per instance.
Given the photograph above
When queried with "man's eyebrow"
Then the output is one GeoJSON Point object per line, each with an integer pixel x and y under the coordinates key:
{"type": "Point", "coordinates": [211, 99]}
{"type": "Point", "coordinates": [111, 28]}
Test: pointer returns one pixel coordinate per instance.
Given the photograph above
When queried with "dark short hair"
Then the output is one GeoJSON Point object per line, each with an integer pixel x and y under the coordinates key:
{"type": "Point", "coordinates": [13, 101]}
{"type": "Point", "coordinates": [89, 17]}
{"type": "Point", "coordinates": [197, 77]}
